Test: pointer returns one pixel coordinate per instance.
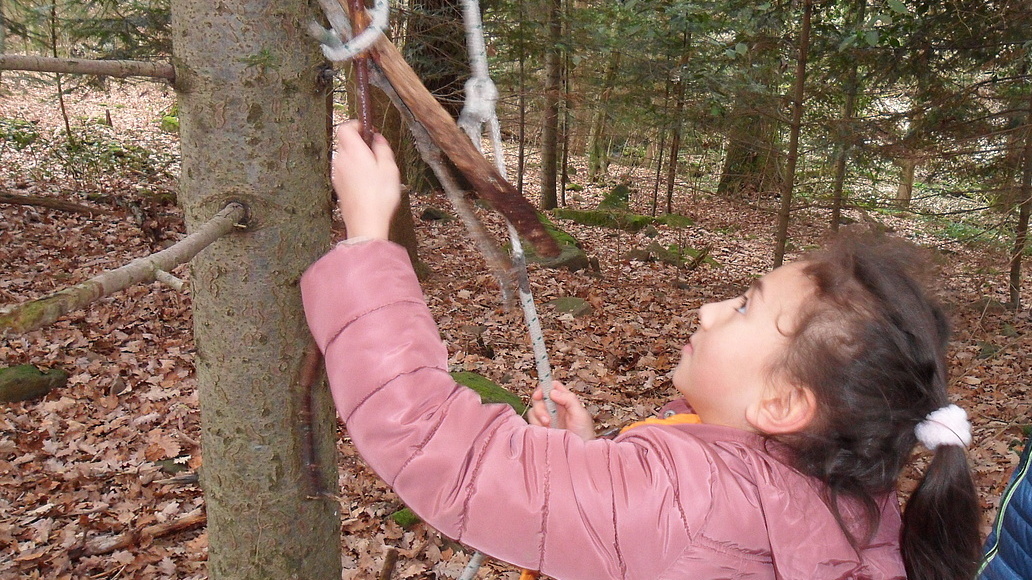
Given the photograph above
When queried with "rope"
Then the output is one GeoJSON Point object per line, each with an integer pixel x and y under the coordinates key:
{"type": "Point", "coordinates": [478, 110]}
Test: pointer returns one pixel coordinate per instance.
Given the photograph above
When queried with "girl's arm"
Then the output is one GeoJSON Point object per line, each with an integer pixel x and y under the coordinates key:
{"type": "Point", "coordinates": [477, 473]}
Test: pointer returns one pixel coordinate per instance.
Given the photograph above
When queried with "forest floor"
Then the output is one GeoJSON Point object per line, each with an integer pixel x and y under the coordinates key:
{"type": "Point", "coordinates": [110, 455]}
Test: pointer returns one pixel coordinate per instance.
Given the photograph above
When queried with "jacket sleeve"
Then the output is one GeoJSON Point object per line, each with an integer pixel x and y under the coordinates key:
{"type": "Point", "coordinates": [538, 498]}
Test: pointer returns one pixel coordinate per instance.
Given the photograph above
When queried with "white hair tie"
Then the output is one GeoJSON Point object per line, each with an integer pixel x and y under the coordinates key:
{"type": "Point", "coordinates": [945, 426]}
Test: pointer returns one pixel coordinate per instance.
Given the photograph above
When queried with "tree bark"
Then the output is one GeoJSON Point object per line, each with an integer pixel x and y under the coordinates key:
{"type": "Point", "coordinates": [785, 211]}
{"type": "Point", "coordinates": [39, 313]}
{"type": "Point", "coordinates": [1021, 228]}
{"type": "Point", "coordinates": [251, 87]}
{"type": "Point", "coordinates": [109, 68]}
{"type": "Point", "coordinates": [905, 190]}
{"type": "Point", "coordinates": [552, 91]}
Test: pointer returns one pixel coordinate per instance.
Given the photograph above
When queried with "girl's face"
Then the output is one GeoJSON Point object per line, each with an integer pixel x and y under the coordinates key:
{"type": "Point", "coordinates": [726, 366]}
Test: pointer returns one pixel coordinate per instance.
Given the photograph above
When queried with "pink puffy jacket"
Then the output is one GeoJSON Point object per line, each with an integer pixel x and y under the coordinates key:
{"type": "Point", "coordinates": [659, 502]}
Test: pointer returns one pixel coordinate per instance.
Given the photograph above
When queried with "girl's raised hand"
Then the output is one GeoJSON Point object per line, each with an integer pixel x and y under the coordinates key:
{"type": "Point", "coordinates": [367, 183]}
{"type": "Point", "coordinates": [571, 414]}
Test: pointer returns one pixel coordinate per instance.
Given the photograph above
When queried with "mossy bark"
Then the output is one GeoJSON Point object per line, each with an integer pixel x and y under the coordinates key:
{"type": "Point", "coordinates": [251, 87]}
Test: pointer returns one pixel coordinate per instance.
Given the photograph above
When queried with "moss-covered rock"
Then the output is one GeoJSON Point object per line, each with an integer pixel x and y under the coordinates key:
{"type": "Point", "coordinates": [26, 382]}
{"type": "Point", "coordinates": [571, 256]}
{"type": "Point", "coordinates": [618, 198]}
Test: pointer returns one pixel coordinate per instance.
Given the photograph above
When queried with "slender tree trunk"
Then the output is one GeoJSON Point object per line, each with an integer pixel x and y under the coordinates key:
{"type": "Point", "coordinates": [1021, 228]}
{"type": "Point", "coordinates": [567, 120]}
{"type": "Point", "coordinates": [598, 154]}
{"type": "Point", "coordinates": [253, 117]}
{"type": "Point", "coordinates": [3, 34]}
{"type": "Point", "coordinates": [660, 150]}
{"type": "Point", "coordinates": [843, 137]}
{"type": "Point", "coordinates": [552, 90]}
{"type": "Point", "coordinates": [785, 212]}
{"type": "Point", "coordinates": [57, 76]}
{"type": "Point", "coordinates": [679, 90]}
{"type": "Point", "coordinates": [905, 190]}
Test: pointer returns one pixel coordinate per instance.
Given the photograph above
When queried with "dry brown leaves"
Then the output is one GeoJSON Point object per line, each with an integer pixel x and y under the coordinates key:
{"type": "Point", "coordinates": [95, 460]}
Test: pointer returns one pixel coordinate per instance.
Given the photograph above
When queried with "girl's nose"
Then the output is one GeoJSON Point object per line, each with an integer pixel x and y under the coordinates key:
{"type": "Point", "coordinates": [706, 314]}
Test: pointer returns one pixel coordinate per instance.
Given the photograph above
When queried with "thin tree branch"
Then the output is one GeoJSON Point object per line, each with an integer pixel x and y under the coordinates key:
{"type": "Point", "coordinates": [108, 68]}
{"type": "Point", "coordinates": [39, 313]}
{"type": "Point", "coordinates": [49, 202]}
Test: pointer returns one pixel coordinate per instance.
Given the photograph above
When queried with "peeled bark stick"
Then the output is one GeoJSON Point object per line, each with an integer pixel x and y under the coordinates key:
{"type": "Point", "coordinates": [456, 145]}
{"type": "Point", "coordinates": [107, 68]}
{"type": "Point", "coordinates": [108, 544]}
{"type": "Point", "coordinates": [39, 313]}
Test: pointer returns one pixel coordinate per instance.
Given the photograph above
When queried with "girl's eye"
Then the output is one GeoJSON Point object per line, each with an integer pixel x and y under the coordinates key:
{"type": "Point", "coordinates": [743, 302]}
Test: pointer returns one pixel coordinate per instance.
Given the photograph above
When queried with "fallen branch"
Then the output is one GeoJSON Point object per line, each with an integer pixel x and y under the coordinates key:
{"type": "Point", "coordinates": [455, 144]}
{"type": "Point", "coordinates": [107, 68]}
{"type": "Point", "coordinates": [108, 544]}
{"type": "Point", "coordinates": [49, 202]}
{"type": "Point", "coordinates": [38, 313]}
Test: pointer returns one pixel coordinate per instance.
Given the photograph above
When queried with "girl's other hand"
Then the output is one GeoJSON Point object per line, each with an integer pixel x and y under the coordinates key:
{"type": "Point", "coordinates": [571, 414]}
{"type": "Point", "coordinates": [367, 183]}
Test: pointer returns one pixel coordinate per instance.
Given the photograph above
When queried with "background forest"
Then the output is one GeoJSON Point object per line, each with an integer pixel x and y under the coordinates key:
{"type": "Point", "coordinates": [765, 125]}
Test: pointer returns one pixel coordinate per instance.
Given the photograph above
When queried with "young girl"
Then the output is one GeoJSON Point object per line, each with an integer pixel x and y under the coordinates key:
{"type": "Point", "coordinates": [803, 399]}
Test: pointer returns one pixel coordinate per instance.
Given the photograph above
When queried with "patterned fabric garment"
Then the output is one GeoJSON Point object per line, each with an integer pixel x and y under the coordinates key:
{"type": "Point", "coordinates": [1008, 549]}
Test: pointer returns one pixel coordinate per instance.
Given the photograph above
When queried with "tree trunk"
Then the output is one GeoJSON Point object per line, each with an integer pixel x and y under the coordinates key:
{"type": "Point", "coordinates": [1021, 228]}
{"type": "Point", "coordinates": [598, 155]}
{"type": "Point", "coordinates": [435, 45]}
{"type": "Point", "coordinates": [752, 166]}
{"type": "Point", "coordinates": [905, 191]}
{"type": "Point", "coordinates": [552, 91]}
{"type": "Point", "coordinates": [253, 129]}
{"type": "Point", "coordinates": [785, 212]}
{"type": "Point", "coordinates": [843, 136]}
{"type": "Point", "coordinates": [675, 130]}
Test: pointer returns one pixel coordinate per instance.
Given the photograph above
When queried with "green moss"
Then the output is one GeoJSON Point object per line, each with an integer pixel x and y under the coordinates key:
{"type": "Point", "coordinates": [489, 391]}
{"type": "Point", "coordinates": [604, 219]}
{"type": "Point", "coordinates": [405, 517]}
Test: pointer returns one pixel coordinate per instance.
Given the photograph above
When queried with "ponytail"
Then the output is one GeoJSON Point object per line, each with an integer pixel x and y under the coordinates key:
{"type": "Point", "coordinates": [940, 524]}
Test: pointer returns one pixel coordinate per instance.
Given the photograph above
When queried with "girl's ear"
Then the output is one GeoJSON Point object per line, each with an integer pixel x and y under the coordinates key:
{"type": "Point", "coordinates": [785, 408]}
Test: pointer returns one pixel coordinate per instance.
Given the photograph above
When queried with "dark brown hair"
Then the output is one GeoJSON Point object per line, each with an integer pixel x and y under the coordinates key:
{"type": "Point", "coordinates": [872, 347]}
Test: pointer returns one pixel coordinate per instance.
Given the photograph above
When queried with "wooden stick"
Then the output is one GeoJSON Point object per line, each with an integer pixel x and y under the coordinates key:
{"type": "Point", "coordinates": [456, 145]}
{"type": "Point", "coordinates": [108, 68]}
{"type": "Point", "coordinates": [108, 544]}
{"type": "Point", "coordinates": [363, 107]}
{"type": "Point", "coordinates": [39, 313]}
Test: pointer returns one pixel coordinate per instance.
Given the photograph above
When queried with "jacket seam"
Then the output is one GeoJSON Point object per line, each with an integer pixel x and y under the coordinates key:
{"type": "Point", "coordinates": [370, 394]}
{"type": "Point", "coordinates": [543, 530]}
{"type": "Point", "coordinates": [344, 326]}
{"type": "Point", "coordinates": [481, 453]}
{"type": "Point", "coordinates": [616, 526]}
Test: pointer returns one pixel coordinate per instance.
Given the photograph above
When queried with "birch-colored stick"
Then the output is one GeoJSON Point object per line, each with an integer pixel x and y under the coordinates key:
{"type": "Point", "coordinates": [39, 313]}
{"type": "Point", "coordinates": [434, 158]}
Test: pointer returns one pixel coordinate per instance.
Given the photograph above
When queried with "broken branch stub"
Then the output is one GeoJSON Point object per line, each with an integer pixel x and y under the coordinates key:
{"type": "Point", "coordinates": [44, 311]}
